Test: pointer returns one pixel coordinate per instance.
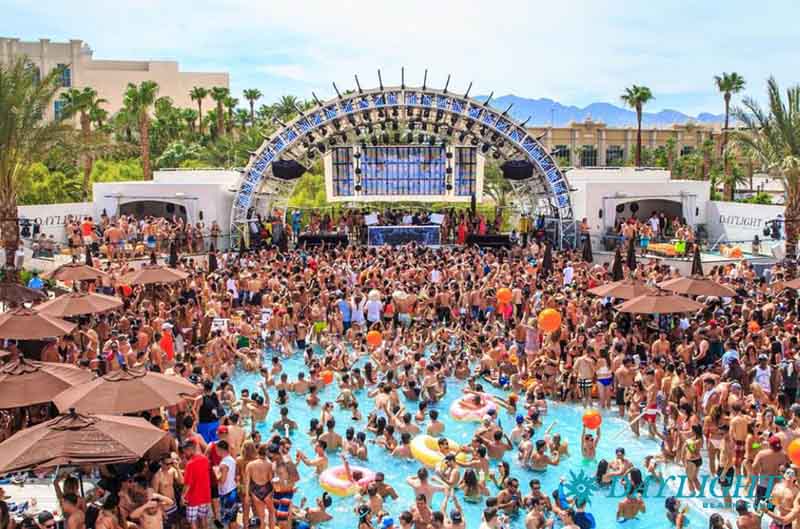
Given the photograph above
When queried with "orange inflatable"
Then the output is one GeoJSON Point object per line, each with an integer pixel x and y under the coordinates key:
{"type": "Point", "coordinates": [504, 295]}
{"type": "Point", "coordinates": [549, 320]}
{"type": "Point", "coordinates": [753, 326]}
{"type": "Point", "coordinates": [592, 419]}
{"type": "Point", "coordinates": [327, 376]}
{"type": "Point", "coordinates": [793, 451]}
{"type": "Point", "coordinates": [374, 338]}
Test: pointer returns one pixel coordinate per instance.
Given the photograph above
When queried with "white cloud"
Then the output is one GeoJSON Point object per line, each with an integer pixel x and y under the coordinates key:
{"type": "Point", "coordinates": [295, 72]}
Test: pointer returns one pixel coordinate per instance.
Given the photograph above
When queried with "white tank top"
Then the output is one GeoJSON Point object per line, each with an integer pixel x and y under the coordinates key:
{"type": "Point", "coordinates": [763, 376]}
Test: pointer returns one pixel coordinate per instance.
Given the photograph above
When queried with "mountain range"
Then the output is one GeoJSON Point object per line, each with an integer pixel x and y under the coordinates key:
{"type": "Point", "coordinates": [545, 111]}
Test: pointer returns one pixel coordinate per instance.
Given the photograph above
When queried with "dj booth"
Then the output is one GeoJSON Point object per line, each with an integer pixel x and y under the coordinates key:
{"type": "Point", "coordinates": [399, 235]}
{"type": "Point", "coordinates": [317, 239]}
{"type": "Point", "coordinates": [490, 241]}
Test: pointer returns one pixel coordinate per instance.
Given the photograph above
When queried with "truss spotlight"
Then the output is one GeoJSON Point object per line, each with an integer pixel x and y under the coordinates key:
{"type": "Point", "coordinates": [426, 113]}
{"type": "Point", "coordinates": [439, 115]}
{"type": "Point", "coordinates": [449, 155]}
{"type": "Point", "coordinates": [381, 114]}
{"type": "Point", "coordinates": [394, 112]}
{"type": "Point", "coordinates": [421, 138]}
{"type": "Point", "coordinates": [461, 137]}
{"type": "Point", "coordinates": [365, 116]}
{"type": "Point", "coordinates": [395, 124]}
{"type": "Point", "coordinates": [475, 142]}
{"type": "Point", "coordinates": [470, 124]}
{"type": "Point", "coordinates": [410, 125]}
{"type": "Point", "coordinates": [483, 130]}
{"type": "Point", "coordinates": [397, 137]}
{"type": "Point", "coordinates": [453, 119]}
{"type": "Point", "coordinates": [323, 131]}
{"type": "Point", "coordinates": [485, 148]}
{"type": "Point", "coordinates": [436, 128]}
{"type": "Point", "coordinates": [448, 186]}
{"type": "Point", "coordinates": [321, 147]}
{"type": "Point", "coordinates": [449, 131]}
{"type": "Point", "coordinates": [374, 139]}
{"type": "Point", "coordinates": [496, 155]}
{"type": "Point", "coordinates": [306, 144]}
{"type": "Point", "coordinates": [312, 155]}
{"type": "Point", "coordinates": [494, 136]}
{"type": "Point", "coordinates": [357, 155]}
{"type": "Point", "coordinates": [357, 187]}
{"type": "Point", "coordinates": [385, 137]}
{"type": "Point", "coordinates": [337, 125]}
{"type": "Point", "coordinates": [358, 170]}
{"type": "Point", "coordinates": [370, 128]}
{"type": "Point", "coordinates": [449, 170]}
{"type": "Point", "coordinates": [352, 119]}
{"type": "Point", "coordinates": [432, 141]}
{"type": "Point", "coordinates": [332, 141]}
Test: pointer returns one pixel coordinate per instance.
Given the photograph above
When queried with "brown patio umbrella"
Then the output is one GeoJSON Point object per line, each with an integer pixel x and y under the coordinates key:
{"type": "Point", "coordinates": [74, 439]}
{"type": "Point", "coordinates": [152, 275]}
{"type": "Point", "coordinates": [625, 289]}
{"type": "Point", "coordinates": [659, 303]}
{"type": "Point", "coordinates": [16, 294]}
{"type": "Point", "coordinates": [697, 286]}
{"type": "Point", "coordinates": [27, 324]}
{"type": "Point", "coordinates": [75, 272]}
{"type": "Point", "coordinates": [76, 303]}
{"type": "Point", "coordinates": [27, 382]}
{"type": "Point", "coordinates": [126, 391]}
{"type": "Point", "coordinates": [794, 283]}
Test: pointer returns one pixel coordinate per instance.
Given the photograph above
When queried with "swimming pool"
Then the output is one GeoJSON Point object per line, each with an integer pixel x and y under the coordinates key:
{"type": "Point", "coordinates": [567, 416]}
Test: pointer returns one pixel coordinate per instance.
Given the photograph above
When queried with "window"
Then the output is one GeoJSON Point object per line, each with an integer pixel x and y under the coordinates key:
{"type": "Point", "coordinates": [615, 155]}
{"type": "Point", "coordinates": [588, 156]}
{"type": "Point", "coordinates": [58, 108]}
{"type": "Point", "coordinates": [342, 172]}
{"type": "Point", "coordinates": [35, 72]}
{"type": "Point", "coordinates": [561, 152]}
{"type": "Point", "coordinates": [66, 75]}
{"type": "Point", "coordinates": [686, 150]}
{"type": "Point", "coordinates": [466, 170]}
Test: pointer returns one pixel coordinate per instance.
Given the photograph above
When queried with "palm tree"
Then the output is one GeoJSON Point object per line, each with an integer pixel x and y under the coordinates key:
{"type": "Point", "coordinates": [80, 103]}
{"type": "Point", "coordinates": [190, 117]}
{"type": "Point", "coordinates": [773, 136]}
{"type": "Point", "coordinates": [139, 100]}
{"type": "Point", "coordinates": [252, 95]}
{"type": "Point", "coordinates": [636, 97]}
{"type": "Point", "coordinates": [230, 104]}
{"type": "Point", "coordinates": [728, 84]}
{"type": "Point", "coordinates": [242, 117]}
{"type": "Point", "coordinates": [97, 114]}
{"type": "Point", "coordinates": [219, 94]}
{"type": "Point", "coordinates": [198, 93]}
{"type": "Point", "coordinates": [286, 107]}
{"type": "Point", "coordinates": [25, 136]}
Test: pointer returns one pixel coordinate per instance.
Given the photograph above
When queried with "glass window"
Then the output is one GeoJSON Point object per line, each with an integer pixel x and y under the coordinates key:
{"type": "Point", "coordinates": [343, 171]}
{"type": "Point", "coordinates": [588, 156]}
{"type": "Point", "coordinates": [66, 75]}
{"type": "Point", "coordinates": [615, 155]}
{"type": "Point", "coordinates": [686, 150]}
{"type": "Point", "coordinates": [58, 108]}
{"type": "Point", "coordinates": [466, 170]}
{"type": "Point", "coordinates": [561, 152]}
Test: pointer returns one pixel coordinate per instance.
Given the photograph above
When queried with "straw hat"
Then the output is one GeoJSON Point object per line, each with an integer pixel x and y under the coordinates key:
{"type": "Point", "coordinates": [374, 295]}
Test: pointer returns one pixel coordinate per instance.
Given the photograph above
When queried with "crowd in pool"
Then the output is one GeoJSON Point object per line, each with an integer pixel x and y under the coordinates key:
{"type": "Point", "coordinates": [395, 327]}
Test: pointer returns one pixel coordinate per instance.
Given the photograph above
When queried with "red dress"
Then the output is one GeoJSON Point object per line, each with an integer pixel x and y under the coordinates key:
{"type": "Point", "coordinates": [462, 233]}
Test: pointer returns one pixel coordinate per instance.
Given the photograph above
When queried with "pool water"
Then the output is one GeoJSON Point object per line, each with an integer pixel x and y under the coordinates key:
{"type": "Point", "coordinates": [568, 424]}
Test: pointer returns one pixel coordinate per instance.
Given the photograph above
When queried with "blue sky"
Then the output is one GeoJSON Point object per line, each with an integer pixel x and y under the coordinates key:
{"type": "Point", "coordinates": [576, 52]}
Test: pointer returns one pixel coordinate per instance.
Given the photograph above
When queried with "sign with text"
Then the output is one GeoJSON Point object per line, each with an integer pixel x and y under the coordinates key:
{"type": "Point", "coordinates": [739, 222]}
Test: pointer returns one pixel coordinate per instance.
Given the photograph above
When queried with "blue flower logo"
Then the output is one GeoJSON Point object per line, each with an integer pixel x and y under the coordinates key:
{"type": "Point", "coordinates": [581, 487]}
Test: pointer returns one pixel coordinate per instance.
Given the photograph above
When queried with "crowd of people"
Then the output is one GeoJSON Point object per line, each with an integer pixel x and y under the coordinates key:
{"type": "Point", "coordinates": [718, 389]}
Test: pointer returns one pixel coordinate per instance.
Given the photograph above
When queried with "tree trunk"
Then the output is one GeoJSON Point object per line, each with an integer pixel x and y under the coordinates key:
{"type": "Point", "coordinates": [200, 114]}
{"type": "Point", "coordinates": [791, 215]}
{"type": "Point", "coordinates": [728, 188]}
{"type": "Point", "coordinates": [87, 157]}
{"type": "Point", "coordinates": [10, 232]}
{"type": "Point", "coordinates": [638, 136]}
{"type": "Point", "coordinates": [220, 119]}
{"type": "Point", "coordinates": [144, 133]}
{"type": "Point", "coordinates": [252, 113]}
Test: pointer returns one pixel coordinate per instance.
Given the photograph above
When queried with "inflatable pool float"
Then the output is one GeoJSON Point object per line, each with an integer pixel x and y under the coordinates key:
{"type": "Point", "coordinates": [463, 409]}
{"type": "Point", "coordinates": [425, 449]}
{"type": "Point", "coordinates": [335, 481]}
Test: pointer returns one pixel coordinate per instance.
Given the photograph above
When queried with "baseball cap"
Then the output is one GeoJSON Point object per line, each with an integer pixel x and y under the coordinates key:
{"type": "Point", "coordinates": [387, 523]}
{"type": "Point", "coordinates": [520, 419]}
{"type": "Point", "coordinates": [762, 356]}
{"type": "Point", "coordinates": [780, 421]}
{"type": "Point", "coordinates": [775, 442]}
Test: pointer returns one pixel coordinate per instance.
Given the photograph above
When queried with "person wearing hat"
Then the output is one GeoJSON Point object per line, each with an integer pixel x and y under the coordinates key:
{"type": "Point", "coordinates": [766, 465]}
{"type": "Point", "coordinates": [784, 498]}
{"type": "Point", "coordinates": [764, 376]}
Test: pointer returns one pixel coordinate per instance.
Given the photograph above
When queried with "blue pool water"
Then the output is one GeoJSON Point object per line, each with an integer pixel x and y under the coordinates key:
{"type": "Point", "coordinates": [568, 419]}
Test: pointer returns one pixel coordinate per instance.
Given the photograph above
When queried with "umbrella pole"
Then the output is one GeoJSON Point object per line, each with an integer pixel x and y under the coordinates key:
{"type": "Point", "coordinates": [80, 481]}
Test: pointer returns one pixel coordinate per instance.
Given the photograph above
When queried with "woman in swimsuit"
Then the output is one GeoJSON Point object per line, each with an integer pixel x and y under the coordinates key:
{"type": "Point", "coordinates": [693, 459]}
{"type": "Point", "coordinates": [713, 435]}
{"type": "Point", "coordinates": [604, 380]}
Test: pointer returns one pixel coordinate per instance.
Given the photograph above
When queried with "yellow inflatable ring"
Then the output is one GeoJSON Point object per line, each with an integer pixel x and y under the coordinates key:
{"type": "Point", "coordinates": [425, 449]}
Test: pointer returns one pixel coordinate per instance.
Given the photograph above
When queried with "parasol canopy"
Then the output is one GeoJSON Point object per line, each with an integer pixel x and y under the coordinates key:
{"type": "Point", "coordinates": [27, 324]}
{"type": "Point", "coordinates": [75, 440]}
{"type": "Point", "coordinates": [27, 382]}
{"type": "Point", "coordinates": [659, 303]}
{"type": "Point", "coordinates": [625, 289]}
{"type": "Point", "coordinates": [697, 286]}
{"type": "Point", "coordinates": [75, 272]}
{"type": "Point", "coordinates": [126, 391]}
{"type": "Point", "coordinates": [16, 294]}
{"type": "Point", "coordinates": [76, 303]}
{"type": "Point", "coordinates": [152, 275]}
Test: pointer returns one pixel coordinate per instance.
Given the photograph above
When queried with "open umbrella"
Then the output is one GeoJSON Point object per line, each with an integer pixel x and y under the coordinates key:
{"type": "Point", "coordinates": [697, 262]}
{"type": "Point", "coordinates": [625, 289]}
{"type": "Point", "coordinates": [75, 440]}
{"type": "Point", "coordinates": [126, 391]}
{"type": "Point", "coordinates": [616, 267]}
{"type": "Point", "coordinates": [75, 271]}
{"type": "Point", "coordinates": [547, 261]}
{"type": "Point", "coordinates": [630, 259]}
{"type": "Point", "coordinates": [27, 324]}
{"type": "Point", "coordinates": [660, 303]}
{"type": "Point", "coordinates": [587, 250]}
{"type": "Point", "coordinates": [697, 286]}
{"type": "Point", "coordinates": [173, 254]}
{"type": "Point", "coordinates": [76, 303]}
{"type": "Point", "coordinates": [151, 274]}
{"type": "Point", "coordinates": [16, 294]}
{"type": "Point", "coordinates": [27, 382]}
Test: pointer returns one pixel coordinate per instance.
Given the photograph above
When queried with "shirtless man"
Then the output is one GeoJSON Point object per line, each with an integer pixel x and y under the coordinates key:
{"type": "Point", "coordinates": [738, 432]}
{"type": "Point", "coordinates": [73, 514]}
{"type": "Point", "coordinates": [422, 487]}
{"type": "Point", "coordinates": [767, 465]}
{"type": "Point", "coordinates": [630, 507]}
{"type": "Point", "coordinates": [746, 519]}
{"type": "Point", "coordinates": [539, 460]}
{"type": "Point", "coordinates": [163, 483]}
{"type": "Point", "coordinates": [150, 515]}
{"type": "Point", "coordinates": [258, 484]}
{"type": "Point", "coordinates": [584, 366]}
{"type": "Point", "coordinates": [785, 499]}
{"type": "Point", "coordinates": [589, 444]}
{"type": "Point", "coordinates": [333, 441]}
{"type": "Point", "coordinates": [623, 379]}
{"type": "Point", "coordinates": [320, 461]}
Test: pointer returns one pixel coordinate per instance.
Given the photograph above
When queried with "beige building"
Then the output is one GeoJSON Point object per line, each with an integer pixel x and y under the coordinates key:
{"type": "Point", "coordinates": [593, 144]}
{"type": "Point", "coordinates": [109, 78]}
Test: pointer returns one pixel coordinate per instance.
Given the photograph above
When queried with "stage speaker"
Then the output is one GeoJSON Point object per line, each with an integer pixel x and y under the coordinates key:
{"type": "Point", "coordinates": [517, 170]}
{"type": "Point", "coordinates": [287, 169]}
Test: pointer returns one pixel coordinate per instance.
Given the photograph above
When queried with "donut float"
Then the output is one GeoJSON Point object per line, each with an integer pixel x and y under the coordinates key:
{"type": "Point", "coordinates": [335, 480]}
{"type": "Point", "coordinates": [425, 449]}
{"type": "Point", "coordinates": [464, 409]}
